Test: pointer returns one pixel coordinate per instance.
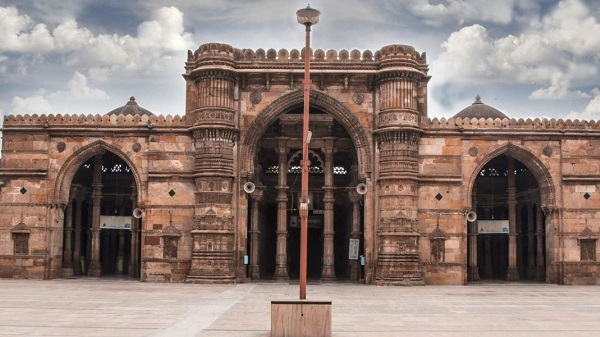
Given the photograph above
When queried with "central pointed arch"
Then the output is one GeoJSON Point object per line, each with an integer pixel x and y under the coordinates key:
{"type": "Point", "coordinates": [540, 172]}
{"type": "Point", "coordinates": [318, 100]}
{"type": "Point", "coordinates": [72, 164]}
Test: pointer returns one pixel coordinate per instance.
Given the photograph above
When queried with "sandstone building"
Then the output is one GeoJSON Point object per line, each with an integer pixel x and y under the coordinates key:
{"type": "Point", "coordinates": [532, 184]}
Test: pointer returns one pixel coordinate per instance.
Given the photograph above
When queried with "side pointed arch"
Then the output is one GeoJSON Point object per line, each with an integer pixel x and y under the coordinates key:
{"type": "Point", "coordinates": [73, 163]}
{"type": "Point", "coordinates": [537, 168]}
{"type": "Point", "coordinates": [318, 100]}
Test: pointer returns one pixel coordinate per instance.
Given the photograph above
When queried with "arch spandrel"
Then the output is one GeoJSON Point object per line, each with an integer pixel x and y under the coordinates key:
{"type": "Point", "coordinates": [534, 164]}
{"type": "Point", "coordinates": [318, 100]}
{"type": "Point", "coordinates": [73, 163]}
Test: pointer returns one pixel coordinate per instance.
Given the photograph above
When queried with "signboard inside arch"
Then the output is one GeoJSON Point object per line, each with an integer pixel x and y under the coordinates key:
{"type": "Point", "coordinates": [492, 226]}
{"type": "Point", "coordinates": [115, 222]}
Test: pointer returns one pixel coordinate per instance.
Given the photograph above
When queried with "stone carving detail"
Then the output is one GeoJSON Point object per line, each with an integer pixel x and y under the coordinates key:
{"type": "Point", "coordinates": [136, 147]}
{"type": "Point", "coordinates": [547, 151]}
{"type": "Point", "coordinates": [358, 98]}
{"type": "Point", "coordinates": [61, 146]}
{"type": "Point", "coordinates": [255, 97]}
{"type": "Point", "coordinates": [473, 151]}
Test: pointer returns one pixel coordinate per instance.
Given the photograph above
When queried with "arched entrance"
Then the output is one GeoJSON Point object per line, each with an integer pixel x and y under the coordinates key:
{"type": "Point", "coordinates": [101, 236]}
{"type": "Point", "coordinates": [507, 241]}
{"type": "Point", "coordinates": [336, 210]}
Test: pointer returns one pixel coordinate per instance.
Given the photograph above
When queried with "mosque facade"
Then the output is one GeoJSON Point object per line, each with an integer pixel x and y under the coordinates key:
{"type": "Point", "coordinates": [211, 195]}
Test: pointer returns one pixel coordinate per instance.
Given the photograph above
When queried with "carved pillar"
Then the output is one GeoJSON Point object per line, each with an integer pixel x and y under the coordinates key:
{"type": "Point", "coordinates": [212, 111]}
{"type": "Point", "coordinates": [281, 271]}
{"type": "Point", "coordinates": [355, 198]}
{"type": "Point", "coordinates": [95, 268]}
{"type": "Point", "coordinates": [530, 242]}
{"type": "Point", "coordinates": [68, 250]}
{"type": "Point", "coordinates": [257, 196]}
{"type": "Point", "coordinates": [328, 201]}
{"type": "Point", "coordinates": [540, 263]}
{"type": "Point", "coordinates": [134, 259]}
{"type": "Point", "coordinates": [398, 134]}
{"type": "Point", "coordinates": [473, 271]}
{"type": "Point", "coordinates": [487, 248]}
{"type": "Point", "coordinates": [513, 271]}
{"type": "Point", "coordinates": [487, 266]}
{"type": "Point", "coordinates": [78, 219]}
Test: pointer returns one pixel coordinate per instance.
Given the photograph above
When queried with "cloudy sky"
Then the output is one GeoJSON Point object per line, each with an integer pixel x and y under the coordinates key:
{"type": "Point", "coordinates": [528, 58]}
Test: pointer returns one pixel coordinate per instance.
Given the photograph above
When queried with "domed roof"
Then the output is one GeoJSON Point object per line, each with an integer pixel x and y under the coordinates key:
{"type": "Point", "coordinates": [130, 108]}
{"type": "Point", "coordinates": [480, 110]}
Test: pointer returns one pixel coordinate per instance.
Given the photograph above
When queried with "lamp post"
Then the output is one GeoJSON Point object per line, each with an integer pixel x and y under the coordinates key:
{"type": "Point", "coordinates": [307, 17]}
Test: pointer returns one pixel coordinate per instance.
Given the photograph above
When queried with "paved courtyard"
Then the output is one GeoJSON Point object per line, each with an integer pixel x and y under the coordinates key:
{"type": "Point", "coordinates": [114, 307]}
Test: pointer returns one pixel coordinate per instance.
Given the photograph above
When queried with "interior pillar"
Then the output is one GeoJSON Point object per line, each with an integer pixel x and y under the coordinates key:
{"type": "Point", "coordinates": [530, 242]}
{"type": "Point", "coordinates": [473, 271]}
{"type": "Point", "coordinates": [95, 268]}
{"type": "Point", "coordinates": [540, 273]}
{"type": "Point", "coordinates": [78, 201]}
{"type": "Point", "coordinates": [135, 230]}
{"type": "Point", "coordinates": [328, 200]}
{"type": "Point", "coordinates": [513, 271]}
{"type": "Point", "coordinates": [257, 196]}
{"type": "Point", "coordinates": [281, 271]}
{"type": "Point", "coordinates": [67, 269]}
{"type": "Point", "coordinates": [355, 233]}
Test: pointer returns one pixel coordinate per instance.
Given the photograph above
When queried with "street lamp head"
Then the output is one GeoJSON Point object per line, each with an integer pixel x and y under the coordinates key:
{"type": "Point", "coordinates": [308, 16]}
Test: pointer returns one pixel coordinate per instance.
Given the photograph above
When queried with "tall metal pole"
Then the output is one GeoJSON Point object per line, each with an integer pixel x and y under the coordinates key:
{"type": "Point", "coordinates": [305, 168]}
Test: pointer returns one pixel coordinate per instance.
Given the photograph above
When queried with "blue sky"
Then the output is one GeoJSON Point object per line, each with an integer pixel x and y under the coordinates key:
{"type": "Point", "coordinates": [528, 58]}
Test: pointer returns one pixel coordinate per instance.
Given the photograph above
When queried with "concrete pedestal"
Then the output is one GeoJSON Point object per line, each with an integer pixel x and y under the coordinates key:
{"type": "Point", "coordinates": [300, 318]}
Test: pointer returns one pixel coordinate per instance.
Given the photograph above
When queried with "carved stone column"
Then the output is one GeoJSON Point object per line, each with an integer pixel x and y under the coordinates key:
{"type": "Point", "coordinates": [328, 201]}
{"type": "Point", "coordinates": [473, 271]}
{"type": "Point", "coordinates": [513, 271]}
{"type": "Point", "coordinates": [540, 263]}
{"type": "Point", "coordinates": [95, 269]}
{"type": "Point", "coordinates": [212, 112]}
{"type": "Point", "coordinates": [398, 134]}
{"type": "Point", "coordinates": [67, 269]}
{"type": "Point", "coordinates": [79, 197]}
{"type": "Point", "coordinates": [281, 271]}
{"type": "Point", "coordinates": [355, 198]}
{"type": "Point", "coordinates": [257, 197]}
{"type": "Point", "coordinates": [530, 242]}
{"type": "Point", "coordinates": [134, 259]}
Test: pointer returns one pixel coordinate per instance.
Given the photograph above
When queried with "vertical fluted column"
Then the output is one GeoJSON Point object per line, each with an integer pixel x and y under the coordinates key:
{"type": "Point", "coordinates": [540, 264]}
{"type": "Point", "coordinates": [281, 271]}
{"type": "Point", "coordinates": [68, 250]}
{"type": "Point", "coordinates": [95, 268]}
{"type": "Point", "coordinates": [257, 196]}
{"type": "Point", "coordinates": [513, 271]}
{"type": "Point", "coordinates": [473, 272]}
{"type": "Point", "coordinates": [216, 250]}
{"type": "Point", "coordinates": [530, 242]}
{"type": "Point", "coordinates": [328, 200]}
{"type": "Point", "coordinates": [398, 136]}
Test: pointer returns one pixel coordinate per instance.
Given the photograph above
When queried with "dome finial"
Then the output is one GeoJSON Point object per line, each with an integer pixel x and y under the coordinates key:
{"type": "Point", "coordinates": [478, 100]}
{"type": "Point", "coordinates": [132, 101]}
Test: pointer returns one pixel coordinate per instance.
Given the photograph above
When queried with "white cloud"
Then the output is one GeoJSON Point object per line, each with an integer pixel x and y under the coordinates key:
{"type": "Point", "coordinates": [112, 55]}
{"type": "Point", "coordinates": [30, 105]}
{"type": "Point", "coordinates": [559, 89]}
{"type": "Point", "coordinates": [20, 35]}
{"type": "Point", "coordinates": [79, 89]}
{"type": "Point", "coordinates": [461, 11]}
{"type": "Point", "coordinates": [591, 111]}
{"type": "Point", "coordinates": [559, 51]}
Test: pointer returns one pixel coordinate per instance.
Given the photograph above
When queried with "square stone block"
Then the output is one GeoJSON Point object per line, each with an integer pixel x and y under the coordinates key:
{"type": "Point", "coordinates": [300, 318]}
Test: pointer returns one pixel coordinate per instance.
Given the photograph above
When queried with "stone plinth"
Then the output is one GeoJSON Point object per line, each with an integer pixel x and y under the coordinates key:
{"type": "Point", "coordinates": [300, 318]}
